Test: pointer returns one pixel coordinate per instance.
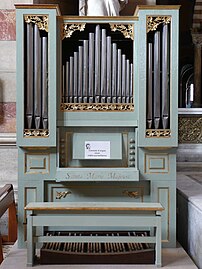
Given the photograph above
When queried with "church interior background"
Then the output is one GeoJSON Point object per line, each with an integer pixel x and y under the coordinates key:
{"type": "Point", "coordinates": [189, 153]}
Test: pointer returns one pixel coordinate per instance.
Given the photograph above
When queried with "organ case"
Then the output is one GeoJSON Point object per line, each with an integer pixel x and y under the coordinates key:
{"type": "Point", "coordinates": [97, 109]}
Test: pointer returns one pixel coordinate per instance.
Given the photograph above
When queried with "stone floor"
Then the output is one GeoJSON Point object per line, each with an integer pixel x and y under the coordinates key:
{"type": "Point", "coordinates": [172, 258]}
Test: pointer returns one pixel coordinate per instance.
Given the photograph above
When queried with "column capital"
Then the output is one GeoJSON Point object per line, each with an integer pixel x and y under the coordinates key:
{"type": "Point", "coordinates": [197, 38]}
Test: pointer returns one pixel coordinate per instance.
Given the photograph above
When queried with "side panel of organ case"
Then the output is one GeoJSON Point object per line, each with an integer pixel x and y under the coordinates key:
{"type": "Point", "coordinates": [158, 75]}
{"type": "Point", "coordinates": [36, 74]}
{"type": "Point", "coordinates": [116, 85]}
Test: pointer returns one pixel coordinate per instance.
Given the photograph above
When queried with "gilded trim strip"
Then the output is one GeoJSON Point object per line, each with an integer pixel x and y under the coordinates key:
{"type": "Point", "coordinates": [40, 21]}
{"type": "Point", "coordinates": [68, 29]}
{"type": "Point", "coordinates": [126, 29]}
{"type": "Point", "coordinates": [158, 133]}
{"type": "Point", "coordinates": [154, 21]}
{"type": "Point", "coordinates": [36, 133]}
{"type": "Point", "coordinates": [96, 107]}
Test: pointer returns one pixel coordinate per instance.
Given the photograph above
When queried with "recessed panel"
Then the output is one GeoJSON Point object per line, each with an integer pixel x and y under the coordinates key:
{"type": "Point", "coordinates": [37, 163]}
{"type": "Point", "coordinates": [156, 163]}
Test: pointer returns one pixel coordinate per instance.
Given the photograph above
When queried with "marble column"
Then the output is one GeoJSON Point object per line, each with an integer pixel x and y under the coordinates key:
{"type": "Point", "coordinates": [197, 40]}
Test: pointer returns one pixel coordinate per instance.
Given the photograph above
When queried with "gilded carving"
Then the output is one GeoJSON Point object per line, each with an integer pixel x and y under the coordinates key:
{"type": "Point", "coordinates": [131, 194]}
{"type": "Point", "coordinates": [69, 29]}
{"type": "Point", "coordinates": [158, 133]}
{"type": "Point", "coordinates": [62, 194]}
{"type": "Point", "coordinates": [40, 21]}
{"type": "Point", "coordinates": [190, 130]}
{"type": "Point", "coordinates": [96, 107]}
{"type": "Point", "coordinates": [126, 30]}
{"type": "Point", "coordinates": [154, 21]}
{"type": "Point", "coordinates": [36, 133]}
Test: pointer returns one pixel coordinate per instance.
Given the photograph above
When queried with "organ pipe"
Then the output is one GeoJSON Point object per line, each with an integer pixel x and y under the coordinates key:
{"type": "Point", "coordinates": [103, 64]}
{"type": "Point", "coordinates": [156, 79]}
{"type": "Point", "coordinates": [36, 90]}
{"type": "Point", "coordinates": [80, 78]}
{"type": "Point", "coordinates": [109, 68]}
{"type": "Point", "coordinates": [75, 93]}
{"type": "Point", "coordinates": [119, 69]}
{"type": "Point", "coordinates": [67, 81]}
{"type": "Point", "coordinates": [37, 77]}
{"type": "Point", "coordinates": [44, 80]}
{"type": "Point", "coordinates": [98, 72]}
{"type": "Point", "coordinates": [29, 82]}
{"type": "Point", "coordinates": [165, 78]}
{"type": "Point", "coordinates": [149, 87]}
{"type": "Point", "coordinates": [158, 84]}
{"type": "Point", "coordinates": [114, 71]}
{"type": "Point", "coordinates": [97, 63]}
{"type": "Point", "coordinates": [91, 66]}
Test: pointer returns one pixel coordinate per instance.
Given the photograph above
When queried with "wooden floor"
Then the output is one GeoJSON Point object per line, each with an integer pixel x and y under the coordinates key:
{"type": "Point", "coordinates": [172, 258]}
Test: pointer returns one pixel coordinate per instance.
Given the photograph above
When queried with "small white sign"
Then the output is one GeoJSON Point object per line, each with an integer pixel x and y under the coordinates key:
{"type": "Point", "coordinates": [97, 150]}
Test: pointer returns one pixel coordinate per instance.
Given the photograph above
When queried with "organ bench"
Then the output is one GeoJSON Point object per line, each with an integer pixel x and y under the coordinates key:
{"type": "Point", "coordinates": [102, 215]}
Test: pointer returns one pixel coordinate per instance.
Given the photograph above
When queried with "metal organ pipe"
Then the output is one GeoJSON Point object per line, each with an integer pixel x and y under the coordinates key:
{"type": "Point", "coordinates": [29, 77]}
{"type": "Point", "coordinates": [114, 71]}
{"type": "Point", "coordinates": [156, 79]}
{"type": "Point", "coordinates": [75, 94]}
{"type": "Point", "coordinates": [44, 82]}
{"type": "Point", "coordinates": [91, 66]}
{"type": "Point", "coordinates": [97, 63]}
{"type": "Point", "coordinates": [98, 72]}
{"type": "Point", "coordinates": [165, 78]}
{"type": "Point", "coordinates": [37, 77]}
{"type": "Point", "coordinates": [85, 71]}
{"type": "Point", "coordinates": [103, 65]}
{"type": "Point", "coordinates": [149, 87]}
{"type": "Point", "coordinates": [67, 82]}
{"type": "Point", "coordinates": [158, 83]}
{"type": "Point", "coordinates": [71, 78]}
{"type": "Point", "coordinates": [118, 93]}
{"type": "Point", "coordinates": [80, 78]}
{"type": "Point", "coordinates": [109, 69]}
{"type": "Point", "coordinates": [123, 79]}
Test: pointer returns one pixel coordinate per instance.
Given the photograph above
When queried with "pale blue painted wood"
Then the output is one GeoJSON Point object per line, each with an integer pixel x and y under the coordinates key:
{"type": "Point", "coordinates": [159, 184]}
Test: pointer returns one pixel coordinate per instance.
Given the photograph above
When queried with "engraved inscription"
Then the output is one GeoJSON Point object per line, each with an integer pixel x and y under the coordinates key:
{"type": "Point", "coordinates": [96, 175]}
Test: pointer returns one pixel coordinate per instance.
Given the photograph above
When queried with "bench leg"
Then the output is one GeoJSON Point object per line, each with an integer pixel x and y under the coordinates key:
{"type": "Point", "coordinates": [158, 242]}
{"type": "Point", "coordinates": [30, 241]}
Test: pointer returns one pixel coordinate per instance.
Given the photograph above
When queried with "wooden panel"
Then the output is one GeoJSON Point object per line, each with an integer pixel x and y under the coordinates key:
{"type": "Point", "coordinates": [37, 163]}
{"type": "Point", "coordinates": [156, 163]}
{"type": "Point", "coordinates": [96, 192]}
{"type": "Point", "coordinates": [164, 199]}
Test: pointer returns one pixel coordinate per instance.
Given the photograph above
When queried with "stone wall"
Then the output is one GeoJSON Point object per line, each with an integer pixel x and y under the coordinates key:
{"type": "Point", "coordinates": [8, 149]}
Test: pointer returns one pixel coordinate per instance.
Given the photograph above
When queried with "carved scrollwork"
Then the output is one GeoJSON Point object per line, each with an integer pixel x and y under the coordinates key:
{"type": "Point", "coordinates": [126, 29]}
{"type": "Point", "coordinates": [62, 194]}
{"type": "Point", "coordinates": [190, 130]}
{"type": "Point", "coordinates": [131, 194]}
{"type": "Point", "coordinates": [154, 21]}
{"type": "Point", "coordinates": [36, 133]}
{"type": "Point", "coordinates": [69, 29]}
{"type": "Point", "coordinates": [155, 133]}
{"type": "Point", "coordinates": [96, 107]}
{"type": "Point", "coordinates": [40, 21]}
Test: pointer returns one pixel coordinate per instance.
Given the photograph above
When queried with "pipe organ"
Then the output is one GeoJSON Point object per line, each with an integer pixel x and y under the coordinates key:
{"type": "Point", "coordinates": [97, 111]}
